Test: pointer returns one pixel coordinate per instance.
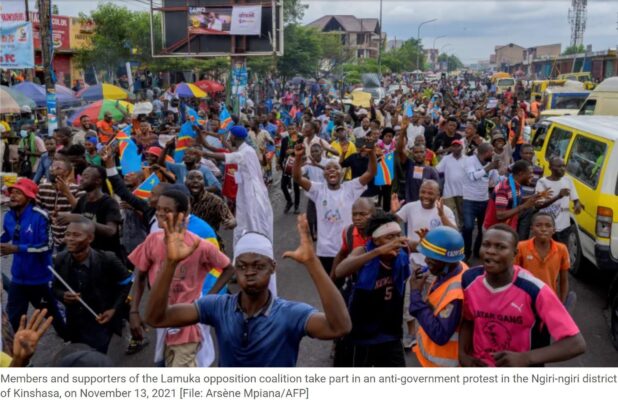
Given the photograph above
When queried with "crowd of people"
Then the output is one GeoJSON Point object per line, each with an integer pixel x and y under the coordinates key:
{"type": "Point", "coordinates": [427, 228]}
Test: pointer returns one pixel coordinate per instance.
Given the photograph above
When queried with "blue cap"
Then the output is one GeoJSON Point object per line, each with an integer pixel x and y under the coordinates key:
{"type": "Point", "coordinates": [443, 243]}
{"type": "Point", "coordinates": [239, 132]}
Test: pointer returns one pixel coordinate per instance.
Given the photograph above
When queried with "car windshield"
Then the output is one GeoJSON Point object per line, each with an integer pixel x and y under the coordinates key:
{"type": "Point", "coordinates": [506, 82]}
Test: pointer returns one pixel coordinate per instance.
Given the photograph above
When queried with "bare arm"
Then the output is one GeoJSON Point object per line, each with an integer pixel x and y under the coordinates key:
{"type": "Point", "coordinates": [224, 278]}
{"type": "Point", "coordinates": [465, 346]}
{"type": "Point", "coordinates": [372, 169]}
{"type": "Point", "coordinates": [563, 284]}
{"type": "Point", "coordinates": [560, 350]}
{"type": "Point", "coordinates": [299, 152]}
{"type": "Point", "coordinates": [335, 321]}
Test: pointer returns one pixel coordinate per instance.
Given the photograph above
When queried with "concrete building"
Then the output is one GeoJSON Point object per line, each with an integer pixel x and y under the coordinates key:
{"type": "Point", "coordinates": [359, 35]}
{"type": "Point", "coordinates": [508, 54]}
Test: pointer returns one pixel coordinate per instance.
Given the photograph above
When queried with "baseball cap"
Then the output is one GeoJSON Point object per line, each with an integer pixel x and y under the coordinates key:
{"type": "Point", "coordinates": [239, 132]}
{"type": "Point", "coordinates": [27, 187]}
{"type": "Point", "coordinates": [457, 141]}
{"type": "Point", "coordinates": [155, 150]}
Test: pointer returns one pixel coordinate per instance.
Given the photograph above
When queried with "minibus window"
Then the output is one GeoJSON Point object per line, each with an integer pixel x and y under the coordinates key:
{"type": "Point", "coordinates": [586, 160]}
{"type": "Point", "coordinates": [558, 143]}
{"type": "Point", "coordinates": [588, 107]}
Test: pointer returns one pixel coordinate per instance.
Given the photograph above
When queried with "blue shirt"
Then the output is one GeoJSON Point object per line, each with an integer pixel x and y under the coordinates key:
{"type": "Point", "coordinates": [43, 168]}
{"type": "Point", "coordinates": [180, 171]}
{"type": "Point", "coordinates": [438, 328]}
{"type": "Point", "coordinates": [269, 339]}
{"type": "Point", "coordinates": [30, 233]}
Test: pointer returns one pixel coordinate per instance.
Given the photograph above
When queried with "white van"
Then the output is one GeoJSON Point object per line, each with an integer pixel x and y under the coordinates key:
{"type": "Point", "coordinates": [603, 100]}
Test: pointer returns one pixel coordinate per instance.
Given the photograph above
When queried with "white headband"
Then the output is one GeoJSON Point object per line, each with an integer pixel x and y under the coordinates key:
{"type": "Point", "coordinates": [386, 229]}
{"type": "Point", "coordinates": [256, 243]}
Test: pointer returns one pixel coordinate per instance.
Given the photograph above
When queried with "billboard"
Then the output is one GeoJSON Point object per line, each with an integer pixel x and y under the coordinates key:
{"type": "Point", "coordinates": [81, 32]}
{"type": "Point", "coordinates": [209, 28]}
{"type": "Point", "coordinates": [60, 31]}
{"type": "Point", "coordinates": [12, 11]}
{"type": "Point", "coordinates": [16, 49]}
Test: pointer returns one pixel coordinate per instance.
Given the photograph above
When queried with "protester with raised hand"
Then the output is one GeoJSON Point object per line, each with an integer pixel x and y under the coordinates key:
{"type": "Point", "coordinates": [276, 326]}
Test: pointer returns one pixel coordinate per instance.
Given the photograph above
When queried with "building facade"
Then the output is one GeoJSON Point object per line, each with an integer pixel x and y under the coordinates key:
{"type": "Point", "coordinates": [362, 37]}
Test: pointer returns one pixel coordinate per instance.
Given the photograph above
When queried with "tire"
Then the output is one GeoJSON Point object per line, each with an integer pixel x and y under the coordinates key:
{"type": "Point", "coordinates": [575, 253]}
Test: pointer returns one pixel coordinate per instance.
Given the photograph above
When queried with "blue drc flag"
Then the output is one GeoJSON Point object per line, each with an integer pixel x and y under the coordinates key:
{"type": "Point", "coordinates": [143, 191]}
{"type": "Point", "coordinates": [193, 116]}
{"type": "Point", "coordinates": [185, 138]}
{"type": "Point", "coordinates": [386, 170]}
{"type": "Point", "coordinates": [409, 110]}
{"type": "Point", "coordinates": [130, 160]}
{"type": "Point", "coordinates": [225, 120]}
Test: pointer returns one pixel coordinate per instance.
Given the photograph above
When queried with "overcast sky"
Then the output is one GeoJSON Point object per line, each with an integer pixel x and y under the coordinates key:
{"type": "Point", "coordinates": [472, 28]}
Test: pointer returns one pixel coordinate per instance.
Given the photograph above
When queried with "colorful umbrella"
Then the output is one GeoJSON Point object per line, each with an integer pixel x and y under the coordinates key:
{"type": "Point", "coordinates": [12, 101]}
{"type": "Point", "coordinates": [103, 91]}
{"type": "Point", "coordinates": [210, 86]}
{"type": "Point", "coordinates": [189, 90]}
{"type": "Point", "coordinates": [39, 95]}
{"type": "Point", "coordinates": [97, 109]}
{"type": "Point", "coordinates": [64, 90]}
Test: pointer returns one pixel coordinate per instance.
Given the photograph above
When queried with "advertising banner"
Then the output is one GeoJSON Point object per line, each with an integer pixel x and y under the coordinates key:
{"type": "Point", "coordinates": [81, 32]}
{"type": "Point", "coordinates": [210, 21]}
{"type": "Point", "coordinates": [16, 45]}
{"type": "Point", "coordinates": [246, 20]}
{"type": "Point", "coordinates": [12, 11]}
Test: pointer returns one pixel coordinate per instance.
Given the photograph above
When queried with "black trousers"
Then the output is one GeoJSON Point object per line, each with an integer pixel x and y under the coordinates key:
{"type": "Point", "coordinates": [385, 197]}
{"type": "Point", "coordinates": [286, 182]}
{"type": "Point", "coordinates": [312, 218]}
{"type": "Point", "coordinates": [382, 355]}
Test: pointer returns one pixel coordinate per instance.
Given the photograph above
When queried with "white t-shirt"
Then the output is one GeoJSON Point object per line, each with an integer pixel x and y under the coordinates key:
{"type": "Point", "coordinates": [313, 173]}
{"type": "Point", "coordinates": [359, 132]}
{"type": "Point", "coordinates": [334, 213]}
{"type": "Point", "coordinates": [560, 208]}
{"type": "Point", "coordinates": [454, 175]}
{"type": "Point", "coordinates": [416, 217]}
{"type": "Point", "coordinates": [476, 184]}
{"type": "Point", "coordinates": [412, 132]}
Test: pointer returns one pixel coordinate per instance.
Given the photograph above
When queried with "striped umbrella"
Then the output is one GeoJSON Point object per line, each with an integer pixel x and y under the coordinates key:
{"type": "Point", "coordinates": [188, 90]}
{"type": "Point", "coordinates": [103, 91]}
{"type": "Point", "coordinates": [97, 110]}
{"type": "Point", "coordinates": [210, 86]}
{"type": "Point", "coordinates": [12, 101]}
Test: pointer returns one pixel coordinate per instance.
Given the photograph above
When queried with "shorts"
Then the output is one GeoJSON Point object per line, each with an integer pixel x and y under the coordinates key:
{"type": "Point", "coordinates": [181, 355]}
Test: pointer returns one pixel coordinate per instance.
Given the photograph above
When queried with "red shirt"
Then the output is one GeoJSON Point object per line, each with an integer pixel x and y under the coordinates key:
{"type": "Point", "coordinates": [229, 187]}
{"type": "Point", "coordinates": [358, 240]}
{"type": "Point", "coordinates": [502, 199]}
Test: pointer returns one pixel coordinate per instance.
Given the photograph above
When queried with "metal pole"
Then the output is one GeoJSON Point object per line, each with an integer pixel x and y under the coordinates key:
{"type": "Point", "coordinates": [45, 28]}
{"type": "Point", "coordinates": [433, 47]}
{"type": "Point", "coordinates": [418, 41]}
{"type": "Point", "coordinates": [380, 43]}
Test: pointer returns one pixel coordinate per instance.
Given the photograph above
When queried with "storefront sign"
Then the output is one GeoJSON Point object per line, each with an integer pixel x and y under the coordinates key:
{"type": "Point", "coordinates": [16, 49]}
{"type": "Point", "coordinates": [60, 28]}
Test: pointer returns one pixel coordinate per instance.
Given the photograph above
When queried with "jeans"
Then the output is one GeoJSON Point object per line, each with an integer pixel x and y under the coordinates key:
{"type": "Point", "coordinates": [456, 205]}
{"type": "Point", "coordinates": [40, 296]}
{"type": "Point", "coordinates": [473, 211]}
{"type": "Point", "coordinates": [524, 223]}
{"type": "Point", "coordinates": [286, 181]}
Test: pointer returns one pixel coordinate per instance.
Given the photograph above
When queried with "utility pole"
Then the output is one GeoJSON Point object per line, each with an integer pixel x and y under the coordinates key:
{"type": "Point", "coordinates": [380, 43]}
{"type": "Point", "coordinates": [45, 30]}
{"type": "Point", "coordinates": [29, 72]}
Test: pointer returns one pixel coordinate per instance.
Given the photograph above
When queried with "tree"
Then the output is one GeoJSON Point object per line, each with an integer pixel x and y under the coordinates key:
{"type": "Point", "coordinates": [574, 50]}
{"type": "Point", "coordinates": [453, 63]}
{"type": "Point", "coordinates": [302, 52]}
{"type": "Point", "coordinates": [333, 53]}
{"type": "Point", "coordinates": [293, 11]}
{"type": "Point", "coordinates": [404, 58]}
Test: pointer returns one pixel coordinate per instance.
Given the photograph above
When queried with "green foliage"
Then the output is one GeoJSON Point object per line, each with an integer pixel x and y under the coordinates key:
{"type": "Point", "coordinates": [405, 57]}
{"type": "Point", "coordinates": [453, 63]}
{"type": "Point", "coordinates": [302, 52]}
{"type": "Point", "coordinates": [293, 11]}
{"type": "Point", "coordinates": [574, 50]}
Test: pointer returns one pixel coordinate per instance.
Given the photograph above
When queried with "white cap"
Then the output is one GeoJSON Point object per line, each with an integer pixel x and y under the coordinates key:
{"type": "Point", "coordinates": [256, 243]}
{"type": "Point", "coordinates": [26, 109]}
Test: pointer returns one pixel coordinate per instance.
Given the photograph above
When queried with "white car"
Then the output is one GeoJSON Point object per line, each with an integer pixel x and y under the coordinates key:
{"type": "Point", "coordinates": [393, 88]}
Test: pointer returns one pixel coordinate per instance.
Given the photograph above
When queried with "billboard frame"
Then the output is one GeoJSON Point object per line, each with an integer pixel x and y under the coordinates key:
{"type": "Point", "coordinates": [276, 36]}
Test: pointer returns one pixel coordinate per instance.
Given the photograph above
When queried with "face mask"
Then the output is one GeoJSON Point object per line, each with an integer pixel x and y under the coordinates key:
{"type": "Point", "coordinates": [23, 133]}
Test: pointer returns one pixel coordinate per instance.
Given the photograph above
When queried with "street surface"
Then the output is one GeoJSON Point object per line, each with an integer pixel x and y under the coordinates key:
{"type": "Point", "coordinates": [294, 283]}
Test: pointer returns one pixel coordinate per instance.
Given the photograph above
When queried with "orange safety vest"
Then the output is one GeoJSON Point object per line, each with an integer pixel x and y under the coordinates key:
{"type": "Point", "coordinates": [428, 353]}
{"type": "Point", "coordinates": [520, 139]}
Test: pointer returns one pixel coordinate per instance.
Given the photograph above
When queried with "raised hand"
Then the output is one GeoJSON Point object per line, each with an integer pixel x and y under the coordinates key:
{"type": "Point", "coordinates": [305, 252]}
{"type": "Point", "coordinates": [395, 203]}
{"type": "Point", "coordinates": [392, 248]}
{"type": "Point", "coordinates": [29, 333]}
{"type": "Point", "coordinates": [299, 151]}
{"type": "Point", "coordinates": [175, 229]}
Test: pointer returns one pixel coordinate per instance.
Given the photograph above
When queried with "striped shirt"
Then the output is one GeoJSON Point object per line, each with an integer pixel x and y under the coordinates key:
{"type": "Point", "coordinates": [54, 202]}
